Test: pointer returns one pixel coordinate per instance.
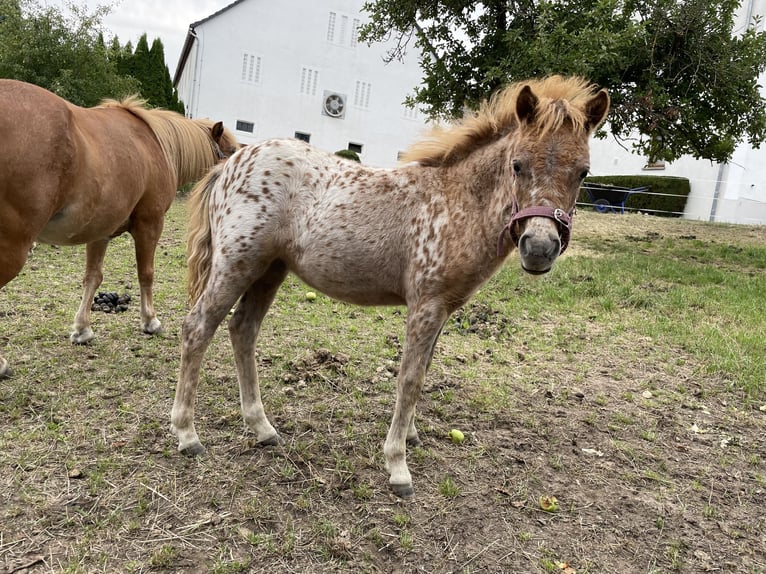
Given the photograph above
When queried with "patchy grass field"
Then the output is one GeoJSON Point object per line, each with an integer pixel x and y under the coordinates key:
{"type": "Point", "coordinates": [629, 384]}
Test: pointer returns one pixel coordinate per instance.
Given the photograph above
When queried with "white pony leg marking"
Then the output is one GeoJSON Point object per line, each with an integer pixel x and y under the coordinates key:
{"type": "Point", "coordinates": [154, 326]}
{"type": "Point", "coordinates": [82, 336]}
{"type": "Point", "coordinates": [5, 370]}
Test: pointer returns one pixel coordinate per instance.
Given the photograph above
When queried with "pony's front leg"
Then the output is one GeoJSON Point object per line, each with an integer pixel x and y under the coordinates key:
{"type": "Point", "coordinates": [243, 331]}
{"type": "Point", "coordinates": [94, 264]}
{"type": "Point", "coordinates": [424, 323]}
{"type": "Point", "coordinates": [146, 236]}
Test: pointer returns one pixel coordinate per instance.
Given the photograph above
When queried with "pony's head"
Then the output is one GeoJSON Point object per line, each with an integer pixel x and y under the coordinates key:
{"type": "Point", "coordinates": [542, 128]}
{"type": "Point", "coordinates": [547, 161]}
{"type": "Point", "coordinates": [224, 142]}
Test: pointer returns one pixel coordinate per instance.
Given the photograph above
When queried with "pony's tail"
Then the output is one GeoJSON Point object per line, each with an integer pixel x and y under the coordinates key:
{"type": "Point", "coordinates": [199, 244]}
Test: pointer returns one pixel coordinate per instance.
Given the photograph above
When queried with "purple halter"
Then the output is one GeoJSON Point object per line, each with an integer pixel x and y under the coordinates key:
{"type": "Point", "coordinates": [562, 218]}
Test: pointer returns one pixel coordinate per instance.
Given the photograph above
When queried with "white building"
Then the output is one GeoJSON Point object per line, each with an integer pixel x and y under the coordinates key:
{"type": "Point", "coordinates": [733, 192]}
{"type": "Point", "coordinates": [295, 68]}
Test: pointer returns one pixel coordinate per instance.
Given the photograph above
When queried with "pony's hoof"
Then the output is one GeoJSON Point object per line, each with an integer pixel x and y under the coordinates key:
{"type": "Point", "coordinates": [153, 327]}
{"type": "Point", "coordinates": [81, 337]}
{"type": "Point", "coordinates": [404, 491]}
{"type": "Point", "coordinates": [275, 440]}
{"type": "Point", "coordinates": [194, 449]}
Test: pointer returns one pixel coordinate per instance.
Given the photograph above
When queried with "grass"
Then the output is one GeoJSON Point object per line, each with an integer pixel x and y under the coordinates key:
{"type": "Point", "coordinates": [585, 384]}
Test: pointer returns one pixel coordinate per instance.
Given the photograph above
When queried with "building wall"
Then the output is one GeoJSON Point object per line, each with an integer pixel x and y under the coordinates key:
{"type": "Point", "coordinates": [257, 63]}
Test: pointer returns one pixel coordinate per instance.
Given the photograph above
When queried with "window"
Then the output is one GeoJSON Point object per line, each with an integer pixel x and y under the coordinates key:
{"type": "Point", "coordinates": [342, 29]}
{"type": "Point", "coordinates": [355, 33]}
{"type": "Point", "coordinates": [243, 126]}
{"type": "Point", "coordinates": [309, 81]}
{"type": "Point", "coordinates": [331, 27]}
{"type": "Point", "coordinates": [355, 147]}
{"type": "Point", "coordinates": [303, 136]}
{"type": "Point", "coordinates": [362, 94]}
{"type": "Point", "coordinates": [251, 68]}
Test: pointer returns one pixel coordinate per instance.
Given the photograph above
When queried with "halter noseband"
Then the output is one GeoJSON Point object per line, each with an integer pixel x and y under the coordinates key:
{"type": "Point", "coordinates": [562, 218]}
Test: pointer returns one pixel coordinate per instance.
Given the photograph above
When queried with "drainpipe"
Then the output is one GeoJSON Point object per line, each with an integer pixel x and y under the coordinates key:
{"type": "Point", "coordinates": [195, 76]}
{"type": "Point", "coordinates": [717, 193]}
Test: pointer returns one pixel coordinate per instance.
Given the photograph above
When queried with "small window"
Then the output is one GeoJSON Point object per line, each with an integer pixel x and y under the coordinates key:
{"type": "Point", "coordinates": [243, 126]}
{"type": "Point", "coordinates": [309, 80]}
{"type": "Point", "coordinates": [362, 94]}
{"type": "Point", "coordinates": [355, 33]}
{"type": "Point", "coordinates": [251, 69]}
{"type": "Point", "coordinates": [303, 136]}
{"type": "Point", "coordinates": [331, 27]}
{"type": "Point", "coordinates": [343, 29]}
{"type": "Point", "coordinates": [355, 147]}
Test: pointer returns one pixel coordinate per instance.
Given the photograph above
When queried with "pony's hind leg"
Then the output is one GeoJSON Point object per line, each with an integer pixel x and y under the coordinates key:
{"type": "Point", "coordinates": [198, 329]}
{"type": "Point", "coordinates": [424, 323]}
{"type": "Point", "coordinates": [243, 331]}
{"type": "Point", "coordinates": [94, 264]}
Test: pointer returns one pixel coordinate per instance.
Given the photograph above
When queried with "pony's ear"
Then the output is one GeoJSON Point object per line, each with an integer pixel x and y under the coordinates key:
{"type": "Point", "coordinates": [217, 131]}
{"type": "Point", "coordinates": [526, 104]}
{"type": "Point", "coordinates": [596, 109]}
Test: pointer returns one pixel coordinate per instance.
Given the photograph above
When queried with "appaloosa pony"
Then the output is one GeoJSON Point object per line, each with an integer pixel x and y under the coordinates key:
{"type": "Point", "coordinates": [72, 175]}
{"type": "Point", "coordinates": [425, 235]}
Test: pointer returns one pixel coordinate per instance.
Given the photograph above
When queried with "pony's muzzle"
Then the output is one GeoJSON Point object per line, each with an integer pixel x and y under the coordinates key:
{"type": "Point", "coordinates": [539, 246]}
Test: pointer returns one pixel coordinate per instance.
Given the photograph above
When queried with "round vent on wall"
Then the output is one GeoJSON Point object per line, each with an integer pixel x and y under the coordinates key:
{"type": "Point", "coordinates": [334, 105]}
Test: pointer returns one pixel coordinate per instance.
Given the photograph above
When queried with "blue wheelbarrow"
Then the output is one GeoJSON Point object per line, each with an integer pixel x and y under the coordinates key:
{"type": "Point", "coordinates": [607, 198]}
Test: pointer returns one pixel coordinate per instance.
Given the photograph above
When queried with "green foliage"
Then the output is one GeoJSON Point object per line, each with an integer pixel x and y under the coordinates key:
{"type": "Point", "coordinates": [148, 66]}
{"type": "Point", "coordinates": [65, 54]}
{"type": "Point", "coordinates": [671, 203]}
{"type": "Point", "coordinates": [349, 154]}
{"type": "Point", "coordinates": [677, 74]}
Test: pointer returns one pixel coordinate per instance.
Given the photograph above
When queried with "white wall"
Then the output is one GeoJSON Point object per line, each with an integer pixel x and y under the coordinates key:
{"type": "Point", "coordinates": [211, 83]}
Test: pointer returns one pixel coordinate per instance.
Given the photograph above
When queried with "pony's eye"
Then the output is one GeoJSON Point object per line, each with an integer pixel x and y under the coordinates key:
{"type": "Point", "coordinates": [517, 167]}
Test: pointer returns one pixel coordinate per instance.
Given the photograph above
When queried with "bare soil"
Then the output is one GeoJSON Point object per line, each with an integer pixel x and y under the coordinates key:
{"type": "Point", "coordinates": [655, 466]}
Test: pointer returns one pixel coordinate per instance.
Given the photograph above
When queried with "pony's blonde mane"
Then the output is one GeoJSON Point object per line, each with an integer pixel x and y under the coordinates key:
{"type": "Point", "coordinates": [560, 98]}
{"type": "Point", "coordinates": [187, 144]}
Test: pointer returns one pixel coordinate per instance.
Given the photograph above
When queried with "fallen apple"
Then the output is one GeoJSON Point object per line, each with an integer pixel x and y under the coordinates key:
{"type": "Point", "coordinates": [456, 436]}
{"type": "Point", "coordinates": [549, 503]}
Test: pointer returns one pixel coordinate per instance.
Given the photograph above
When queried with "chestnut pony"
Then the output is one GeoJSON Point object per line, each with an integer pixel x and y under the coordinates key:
{"type": "Point", "coordinates": [425, 235]}
{"type": "Point", "coordinates": [72, 175]}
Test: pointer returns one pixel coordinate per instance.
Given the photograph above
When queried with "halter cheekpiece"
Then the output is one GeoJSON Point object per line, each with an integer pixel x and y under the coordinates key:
{"type": "Point", "coordinates": [562, 218]}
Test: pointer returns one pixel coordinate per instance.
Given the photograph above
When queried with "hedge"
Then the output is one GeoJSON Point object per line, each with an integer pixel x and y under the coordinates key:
{"type": "Point", "coordinates": [671, 204]}
{"type": "Point", "coordinates": [348, 154]}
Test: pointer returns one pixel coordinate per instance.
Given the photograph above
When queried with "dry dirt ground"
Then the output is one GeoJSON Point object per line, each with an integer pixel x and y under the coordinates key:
{"type": "Point", "coordinates": [651, 474]}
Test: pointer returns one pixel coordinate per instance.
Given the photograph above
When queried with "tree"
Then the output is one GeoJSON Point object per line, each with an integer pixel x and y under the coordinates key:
{"type": "Point", "coordinates": [148, 66]}
{"type": "Point", "coordinates": [65, 54]}
{"type": "Point", "coordinates": [681, 78]}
